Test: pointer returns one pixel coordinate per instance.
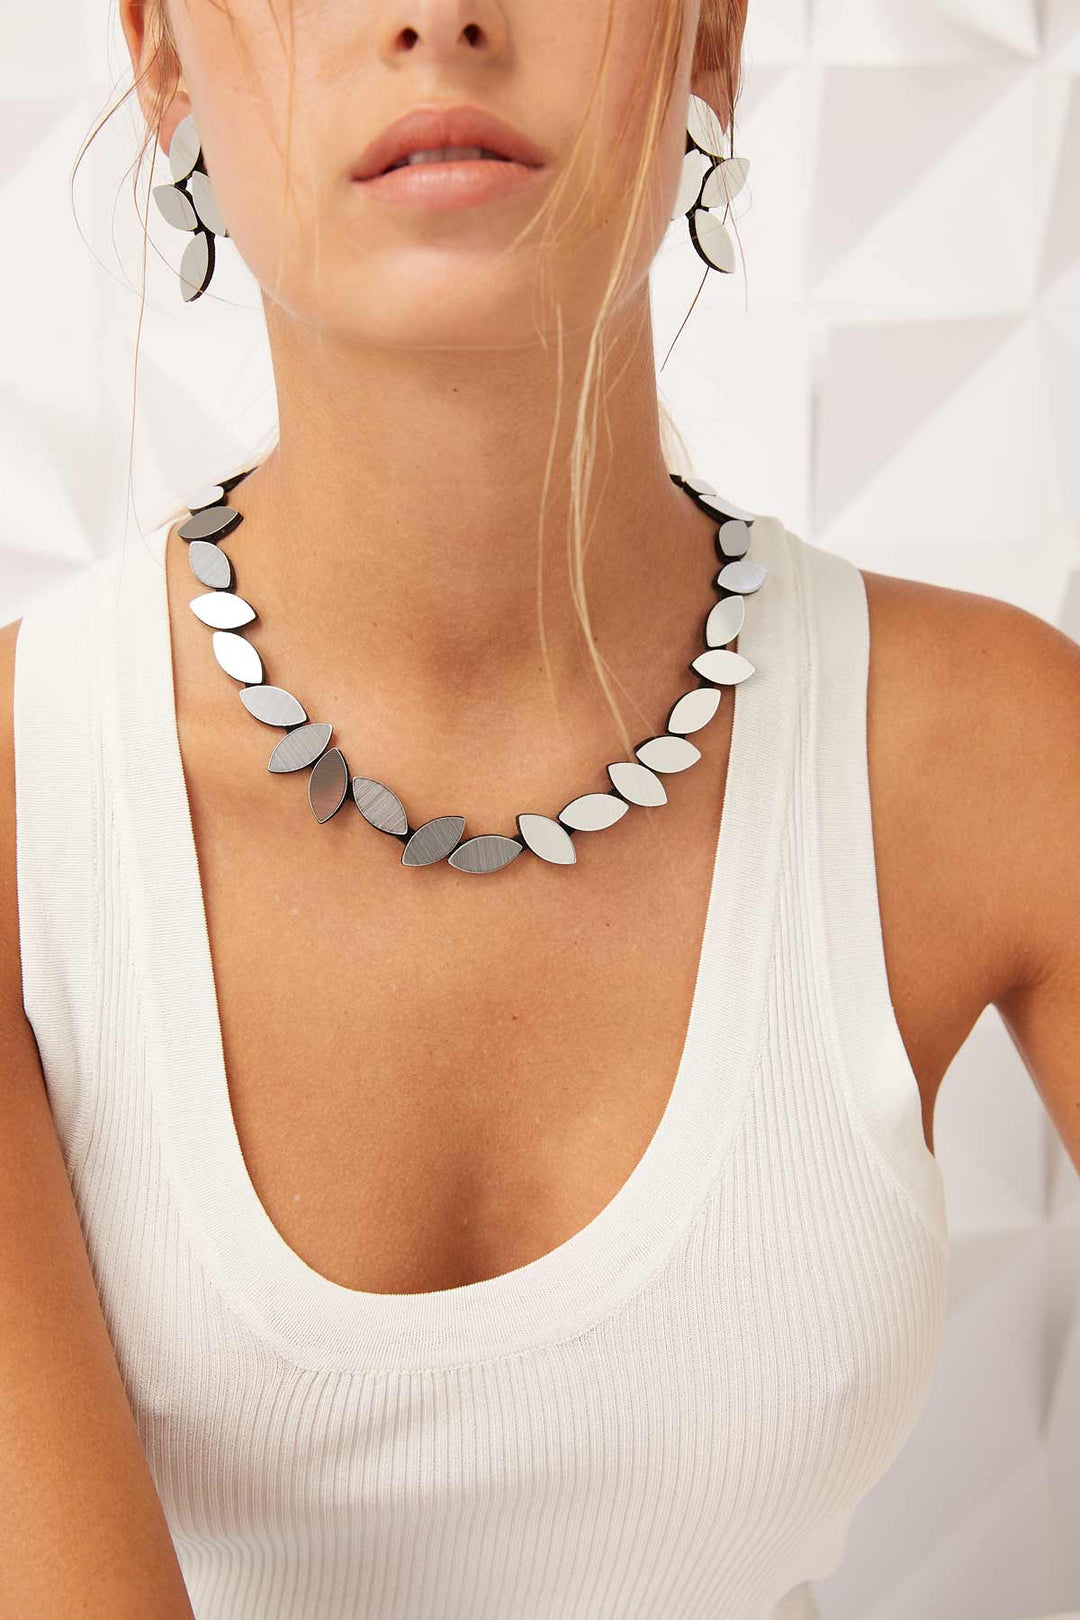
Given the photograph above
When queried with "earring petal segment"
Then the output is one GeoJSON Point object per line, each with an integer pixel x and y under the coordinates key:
{"type": "Point", "coordinates": [189, 204]}
{"type": "Point", "coordinates": [708, 180]}
{"type": "Point", "coordinates": [206, 204]}
{"type": "Point", "coordinates": [724, 181]}
{"type": "Point", "coordinates": [704, 127]}
{"type": "Point", "coordinates": [695, 167]}
{"type": "Point", "coordinates": [185, 149]}
{"type": "Point", "coordinates": [712, 240]}
{"type": "Point", "coordinates": [196, 266]}
{"type": "Point", "coordinates": [176, 207]}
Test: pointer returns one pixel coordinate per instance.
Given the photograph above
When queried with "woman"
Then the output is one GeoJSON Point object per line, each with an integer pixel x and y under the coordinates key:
{"type": "Point", "coordinates": [555, 1230]}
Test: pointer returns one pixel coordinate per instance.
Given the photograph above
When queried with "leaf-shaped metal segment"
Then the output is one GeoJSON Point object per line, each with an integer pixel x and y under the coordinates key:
{"type": "Point", "coordinates": [488, 852]}
{"type": "Point", "coordinates": [722, 666]}
{"type": "Point", "coordinates": [222, 610]}
{"type": "Point", "coordinates": [695, 709]}
{"type": "Point", "coordinates": [733, 538]}
{"type": "Point", "coordinates": [300, 747]}
{"type": "Point", "coordinates": [328, 784]}
{"type": "Point", "coordinates": [207, 497]}
{"type": "Point", "coordinates": [637, 783]}
{"type": "Point", "coordinates": [723, 182]}
{"type": "Point", "coordinates": [184, 148]}
{"type": "Point", "coordinates": [591, 812]}
{"type": "Point", "coordinates": [212, 523]}
{"type": "Point", "coordinates": [547, 839]}
{"type": "Point", "coordinates": [668, 753]}
{"type": "Point", "coordinates": [237, 657]}
{"type": "Point", "coordinates": [712, 239]}
{"type": "Point", "coordinates": [699, 486]}
{"type": "Point", "coordinates": [742, 575]}
{"type": "Point", "coordinates": [719, 507]}
{"type": "Point", "coordinates": [273, 705]}
{"type": "Point", "coordinates": [724, 622]}
{"type": "Point", "coordinates": [694, 167]}
{"type": "Point", "coordinates": [195, 266]}
{"type": "Point", "coordinates": [378, 805]}
{"type": "Point", "coordinates": [209, 564]}
{"type": "Point", "coordinates": [176, 207]}
{"type": "Point", "coordinates": [704, 127]}
{"type": "Point", "coordinates": [433, 841]}
{"type": "Point", "coordinates": [206, 203]}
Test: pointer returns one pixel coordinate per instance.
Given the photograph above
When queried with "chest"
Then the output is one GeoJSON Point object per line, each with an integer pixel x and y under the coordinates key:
{"type": "Point", "coordinates": [436, 1077]}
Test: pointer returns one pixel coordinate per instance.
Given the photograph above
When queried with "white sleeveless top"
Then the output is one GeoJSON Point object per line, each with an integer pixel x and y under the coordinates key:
{"type": "Point", "coordinates": [672, 1415]}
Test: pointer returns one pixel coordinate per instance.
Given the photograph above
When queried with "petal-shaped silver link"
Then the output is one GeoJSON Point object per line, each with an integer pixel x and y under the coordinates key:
{"type": "Point", "coordinates": [699, 486]}
{"type": "Point", "coordinates": [704, 127]}
{"type": "Point", "coordinates": [712, 240]}
{"type": "Point", "coordinates": [719, 507]}
{"type": "Point", "coordinates": [724, 182]}
{"type": "Point", "coordinates": [694, 709]}
{"type": "Point", "coordinates": [195, 267]}
{"type": "Point", "coordinates": [207, 497]}
{"type": "Point", "coordinates": [272, 705]}
{"type": "Point", "coordinates": [237, 657]}
{"type": "Point", "coordinates": [328, 784]}
{"type": "Point", "coordinates": [742, 576]}
{"type": "Point", "coordinates": [212, 523]}
{"type": "Point", "coordinates": [724, 622]}
{"type": "Point", "coordinates": [209, 564]}
{"type": "Point", "coordinates": [206, 203]}
{"type": "Point", "coordinates": [637, 783]}
{"type": "Point", "coordinates": [694, 168]}
{"type": "Point", "coordinates": [592, 812]}
{"type": "Point", "coordinates": [222, 610]}
{"type": "Point", "coordinates": [488, 852]}
{"type": "Point", "coordinates": [733, 538]}
{"type": "Point", "coordinates": [379, 806]}
{"type": "Point", "coordinates": [184, 148]}
{"type": "Point", "coordinates": [668, 753]}
{"type": "Point", "coordinates": [238, 478]}
{"type": "Point", "coordinates": [300, 747]}
{"type": "Point", "coordinates": [176, 207]}
{"type": "Point", "coordinates": [433, 841]}
{"type": "Point", "coordinates": [547, 839]}
{"type": "Point", "coordinates": [723, 667]}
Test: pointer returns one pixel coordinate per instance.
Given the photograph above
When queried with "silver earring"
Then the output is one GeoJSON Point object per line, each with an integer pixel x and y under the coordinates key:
{"type": "Point", "coordinates": [189, 204]}
{"type": "Point", "coordinates": [709, 180]}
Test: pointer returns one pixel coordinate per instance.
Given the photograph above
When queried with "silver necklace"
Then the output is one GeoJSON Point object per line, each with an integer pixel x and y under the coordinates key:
{"type": "Point", "coordinates": [305, 742]}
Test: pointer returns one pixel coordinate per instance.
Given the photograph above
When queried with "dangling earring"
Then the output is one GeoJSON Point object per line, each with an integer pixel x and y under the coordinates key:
{"type": "Point", "coordinates": [189, 204]}
{"type": "Point", "coordinates": [709, 180]}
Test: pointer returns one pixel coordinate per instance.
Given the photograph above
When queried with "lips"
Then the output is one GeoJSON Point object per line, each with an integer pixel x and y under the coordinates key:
{"type": "Point", "coordinates": [433, 127]}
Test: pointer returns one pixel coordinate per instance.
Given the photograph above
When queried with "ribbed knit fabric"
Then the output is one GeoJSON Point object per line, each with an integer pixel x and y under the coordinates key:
{"type": "Point", "coordinates": [672, 1415]}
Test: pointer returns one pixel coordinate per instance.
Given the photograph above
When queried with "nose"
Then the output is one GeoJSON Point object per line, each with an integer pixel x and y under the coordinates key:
{"type": "Point", "coordinates": [443, 30]}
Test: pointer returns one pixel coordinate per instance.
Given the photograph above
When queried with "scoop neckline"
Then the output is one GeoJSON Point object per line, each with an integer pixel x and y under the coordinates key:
{"type": "Point", "coordinates": [303, 1315]}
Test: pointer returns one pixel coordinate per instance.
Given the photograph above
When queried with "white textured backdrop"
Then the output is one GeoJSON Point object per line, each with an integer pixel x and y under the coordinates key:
{"type": "Point", "coordinates": [893, 369]}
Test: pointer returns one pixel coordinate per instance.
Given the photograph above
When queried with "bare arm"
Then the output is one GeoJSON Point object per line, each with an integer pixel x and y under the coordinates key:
{"type": "Point", "coordinates": [1041, 868]}
{"type": "Point", "coordinates": [82, 1531]}
{"type": "Point", "coordinates": [977, 755]}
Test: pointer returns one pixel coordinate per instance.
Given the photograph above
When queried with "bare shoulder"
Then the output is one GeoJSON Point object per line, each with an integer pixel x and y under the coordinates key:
{"type": "Point", "coordinates": [83, 1528]}
{"type": "Point", "coordinates": [974, 744]}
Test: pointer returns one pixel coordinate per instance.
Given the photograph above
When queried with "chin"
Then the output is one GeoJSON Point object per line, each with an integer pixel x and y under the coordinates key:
{"type": "Point", "coordinates": [443, 302]}
{"type": "Point", "coordinates": [441, 296]}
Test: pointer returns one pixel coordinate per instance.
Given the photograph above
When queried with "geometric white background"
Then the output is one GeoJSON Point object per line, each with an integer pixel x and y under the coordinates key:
{"type": "Point", "coordinates": [894, 369]}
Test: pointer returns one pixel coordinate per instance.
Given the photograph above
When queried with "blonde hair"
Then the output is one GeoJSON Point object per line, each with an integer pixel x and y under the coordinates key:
{"type": "Point", "coordinates": [716, 51]}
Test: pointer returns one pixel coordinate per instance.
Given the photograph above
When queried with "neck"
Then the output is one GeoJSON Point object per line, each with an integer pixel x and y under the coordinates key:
{"type": "Point", "coordinates": [391, 538]}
